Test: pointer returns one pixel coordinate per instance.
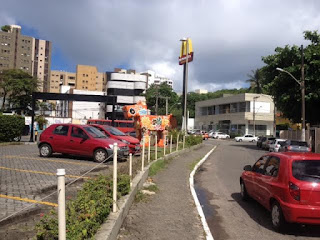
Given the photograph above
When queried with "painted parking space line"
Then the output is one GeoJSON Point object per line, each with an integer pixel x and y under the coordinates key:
{"type": "Point", "coordinates": [49, 160]}
{"type": "Point", "coordinates": [28, 200]}
{"type": "Point", "coordinates": [40, 172]}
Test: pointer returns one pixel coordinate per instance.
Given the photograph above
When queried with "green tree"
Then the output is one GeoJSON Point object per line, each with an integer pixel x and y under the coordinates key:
{"type": "Point", "coordinates": [255, 80]}
{"type": "Point", "coordinates": [18, 87]}
{"type": "Point", "coordinates": [6, 28]}
{"type": "Point", "coordinates": [285, 91]}
{"type": "Point", "coordinates": [163, 90]}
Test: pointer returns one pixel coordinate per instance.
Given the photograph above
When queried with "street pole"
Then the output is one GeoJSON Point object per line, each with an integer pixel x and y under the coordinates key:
{"type": "Point", "coordinates": [186, 87]}
{"type": "Point", "coordinates": [303, 105]}
{"type": "Point", "coordinates": [254, 115]}
{"type": "Point", "coordinates": [166, 105]}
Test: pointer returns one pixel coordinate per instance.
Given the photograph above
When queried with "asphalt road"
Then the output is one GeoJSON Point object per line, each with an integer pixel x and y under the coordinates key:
{"type": "Point", "coordinates": [217, 186]}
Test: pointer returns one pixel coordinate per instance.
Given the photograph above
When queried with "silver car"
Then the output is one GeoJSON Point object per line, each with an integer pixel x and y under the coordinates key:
{"type": "Point", "coordinates": [294, 146]}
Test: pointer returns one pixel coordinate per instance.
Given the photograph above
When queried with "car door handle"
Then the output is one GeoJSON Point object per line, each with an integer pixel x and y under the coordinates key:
{"type": "Point", "coordinates": [71, 140]}
{"type": "Point", "coordinates": [51, 137]}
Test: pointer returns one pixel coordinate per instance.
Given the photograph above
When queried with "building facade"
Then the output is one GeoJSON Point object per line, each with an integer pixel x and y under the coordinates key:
{"type": "Point", "coordinates": [26, 53]}
{"type": "Point", "coordinates": [61, 78]}
{"type": "Point", "coordinates": [128, 86]}
{"type": "Point", "coordinates": [154, 78]}
{"type": "Point", "coordinates": [237, 114]}
{"type": "Point", "coordinates": [88, 78]}
{"type": "Point", "coordinates": [201, 91]}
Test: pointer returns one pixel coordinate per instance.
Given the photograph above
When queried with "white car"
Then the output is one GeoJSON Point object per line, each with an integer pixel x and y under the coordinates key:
{"type": "Point", "coordinates": [219, 135]}
{"type": "Point", "coordinates": [246, 138]}
{"type": "Point", "coordinates": [275, 145]}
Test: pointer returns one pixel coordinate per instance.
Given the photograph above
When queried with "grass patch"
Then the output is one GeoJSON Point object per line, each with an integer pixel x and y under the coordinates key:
{"type": "Point", "coordinates": [140, 197]}
{"type": "Point", "coordinates": [152, 188]}
{"type": "Point", "coordinates": [157, 166]}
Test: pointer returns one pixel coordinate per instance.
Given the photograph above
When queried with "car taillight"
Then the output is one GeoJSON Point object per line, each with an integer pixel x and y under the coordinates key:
{"type": "Point", "coordinates": [289, 147]}
{"type": "Point", "coordinates": [294, 191]}
{"type": "Point", "coordinates": [309, 149]}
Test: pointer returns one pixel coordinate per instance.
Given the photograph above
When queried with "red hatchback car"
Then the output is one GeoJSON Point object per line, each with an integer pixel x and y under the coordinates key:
{"type": "Point", "coordinates": [83, 140]}
{"type": "Point", "coordinates": [112, 132]}
{"type": "Point", "coordinates": [287, 184]}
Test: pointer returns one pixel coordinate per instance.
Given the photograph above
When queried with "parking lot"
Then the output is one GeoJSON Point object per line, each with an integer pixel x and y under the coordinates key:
{"type": "Point", "coordinates": [25, 177]}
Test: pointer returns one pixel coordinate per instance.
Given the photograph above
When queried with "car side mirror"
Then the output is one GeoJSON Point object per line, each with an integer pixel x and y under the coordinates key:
{"type": "Point", "coordinates": [247, 168]}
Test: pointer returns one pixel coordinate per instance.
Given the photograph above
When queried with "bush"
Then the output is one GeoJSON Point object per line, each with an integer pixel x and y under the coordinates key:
{"type": "Point", "coordinates": [11, 126]}
{"type": "Point", "coordinates": [87, 212]}
{"type": "Point", "coordinates": [174, 133]}
{"type": "Point", "coordinates": [192, 140]}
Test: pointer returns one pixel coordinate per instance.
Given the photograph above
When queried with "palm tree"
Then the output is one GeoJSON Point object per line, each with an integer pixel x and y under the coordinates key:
{"type": "Point", "coordinates": [255, 80]}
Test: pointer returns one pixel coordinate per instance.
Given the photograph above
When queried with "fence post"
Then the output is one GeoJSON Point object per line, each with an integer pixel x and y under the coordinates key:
{"type": "Point", "coordinates": [184, 140]}
{"type": "Point", "coordinates": [177, 148]}
{"type": "Point", "coordinates": [115, 163]}
{"type": "Point", "coordinates": [164, 147]}
{"type": "Point", "coordinates": [143, 149]}
{"type": "Point", "coordinates": [61, 204]}
{"type": "Point", "coordinates": [156, 147]}
{"type": "Point", "coordinates": [149, 145]}
{"type": "Point", "coordinates": [130, 168]}
{"type": "Point", "coordinates": [171, 143]}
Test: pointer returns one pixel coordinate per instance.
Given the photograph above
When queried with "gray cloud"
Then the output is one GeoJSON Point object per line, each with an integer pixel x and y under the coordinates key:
{"type": "Point", "coordinates": [229, 37]}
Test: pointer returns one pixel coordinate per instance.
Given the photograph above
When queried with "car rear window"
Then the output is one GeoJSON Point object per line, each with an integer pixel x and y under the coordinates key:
{"type": "Point", "coordinates": [298, 143]}
{"type": "Point", "coordinates": [306, 170]}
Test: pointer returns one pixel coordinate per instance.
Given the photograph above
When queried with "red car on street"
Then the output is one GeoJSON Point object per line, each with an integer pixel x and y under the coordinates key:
{"type": "Point", "coordinates": [112, 132]}
{"type": "Point", "coordinates": [83, 140]}
{"type": "Point", "coordinates": [287, 184]}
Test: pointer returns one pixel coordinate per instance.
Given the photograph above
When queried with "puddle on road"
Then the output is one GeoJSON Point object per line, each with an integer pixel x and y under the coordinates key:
{"type": "Point", "coordinates": [210, 211]}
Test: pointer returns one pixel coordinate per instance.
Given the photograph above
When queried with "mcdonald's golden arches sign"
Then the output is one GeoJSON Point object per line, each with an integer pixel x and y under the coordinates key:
{"type": "Point", "coordinates": [183, 52]}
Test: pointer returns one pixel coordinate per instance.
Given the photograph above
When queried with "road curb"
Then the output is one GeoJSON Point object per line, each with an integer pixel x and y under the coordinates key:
{"type": "Point", "coordinates": [110, 229]}
{"type": "Point", "coordinates": [196, 200]}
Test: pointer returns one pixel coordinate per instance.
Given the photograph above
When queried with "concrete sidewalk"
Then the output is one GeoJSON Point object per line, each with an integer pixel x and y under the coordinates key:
{"type": "Point", "coordinates": [171, 212]}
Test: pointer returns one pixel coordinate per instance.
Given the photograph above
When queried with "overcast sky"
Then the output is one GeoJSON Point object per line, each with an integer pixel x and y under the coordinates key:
{"type": "Point", "coordinates": [229, 36]}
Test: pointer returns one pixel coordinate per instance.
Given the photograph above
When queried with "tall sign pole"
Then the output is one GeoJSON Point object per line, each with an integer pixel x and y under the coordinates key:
{"type": "Point", "coordinates": [186, 56]}
{"type": "Point", "coordinates": [303, 107]}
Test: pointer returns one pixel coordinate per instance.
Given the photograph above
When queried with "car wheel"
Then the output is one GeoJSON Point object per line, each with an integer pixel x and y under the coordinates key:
{"type": "Point", "coordinates": [253, 140]}
{"type": "Point", "coordinates": [277, 217]}
{"type": "Point", "coordinates": [100, 155]}
{"type": "Point", "coordinates": [228, 137]}
{"type": "Point", "coordinates": [240, 140]}
{"type": "Point", "coordinates": [243, 191]}
{"type": "Point", "coordinates": [45, 150]}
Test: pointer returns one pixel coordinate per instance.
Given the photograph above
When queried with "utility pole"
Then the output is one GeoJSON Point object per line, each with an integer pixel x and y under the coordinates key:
{"type": "Point", "coordinates": [303, 104]}
{"type": "Point", "coordinates": [254, 115]}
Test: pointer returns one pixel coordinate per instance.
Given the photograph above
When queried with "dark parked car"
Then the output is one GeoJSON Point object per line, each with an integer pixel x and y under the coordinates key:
{"type": "Point", "coordinates": [266, 143]}
{"type": "Point", "coordinates": [83, 140]}
{"type": "Point", "coordinates": [287, 184]}
{"type": "Point", "coordinates": [294, 146]}
{"type": "Point", "coordinates": [260, 140]}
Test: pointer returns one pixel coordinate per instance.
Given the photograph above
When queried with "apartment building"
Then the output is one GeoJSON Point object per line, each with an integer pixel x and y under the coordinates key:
{"type": "Point", "coordinates": [59, 78]}
{"type": "Point", "coordinates": [26, 53]}
{"type": "Point", "coordinates": [88, 78]}
{"type": "Point", "coordinates": [154, 78]}
{"type": "Point", "coordinates": [128, 86]}
{"type": "Point", "coordinates": [237, 114]}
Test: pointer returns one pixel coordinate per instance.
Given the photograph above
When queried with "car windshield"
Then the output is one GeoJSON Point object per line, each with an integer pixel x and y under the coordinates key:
{"type": "Point", "coordinates": [95, 133]}
{"type": "Point", "coordinates": [114, 131]}
{"type": "Point", "coordinates": [306, 170]}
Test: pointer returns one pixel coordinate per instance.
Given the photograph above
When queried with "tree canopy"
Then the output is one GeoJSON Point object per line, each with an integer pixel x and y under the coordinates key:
{"type": "Point", "coordinates": [17, 86]}
{"type": "Point", "coordinates": [284, 89]}
{"type": "Point", "coordinates": [5, 28]}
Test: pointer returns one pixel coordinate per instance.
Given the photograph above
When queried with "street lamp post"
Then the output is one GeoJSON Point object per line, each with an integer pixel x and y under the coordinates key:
{"type": "Point", "coordinates": [254, 115]}
{"type": "Point", "coordinates": [302, 87]}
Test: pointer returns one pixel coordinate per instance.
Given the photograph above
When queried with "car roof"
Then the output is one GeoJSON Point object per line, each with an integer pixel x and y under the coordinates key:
{"type": "Point", "coordinates": [297, 155]}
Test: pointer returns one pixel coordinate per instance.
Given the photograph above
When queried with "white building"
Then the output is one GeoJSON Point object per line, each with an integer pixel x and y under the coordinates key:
{"type": "Point", "coordinates": [128, 86]}
{"type": "Point", "coordinates": [78, 110]}
{"type": "Point", "coordinates": [237, 114]}
{"type": "Point", "coordinates": [201, 91]}
{"type": "Point", "coordinates": [154, 78]}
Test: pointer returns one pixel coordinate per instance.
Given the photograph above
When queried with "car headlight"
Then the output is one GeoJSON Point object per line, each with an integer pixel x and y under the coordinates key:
{"type": "Point", "coordinates": [124, 141]}
{"type": "Point", "coordinates": [111, 146]}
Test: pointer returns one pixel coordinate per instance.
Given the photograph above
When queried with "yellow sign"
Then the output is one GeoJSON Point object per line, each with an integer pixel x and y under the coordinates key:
{"type": "Point", "coordinates": [183, 52]}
